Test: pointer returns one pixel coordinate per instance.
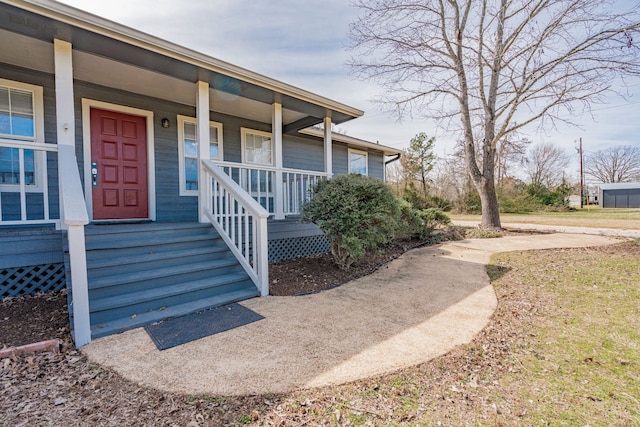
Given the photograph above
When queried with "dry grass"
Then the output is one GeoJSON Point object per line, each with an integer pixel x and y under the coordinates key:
{"type": "Point", "coordinates": [593, 217]}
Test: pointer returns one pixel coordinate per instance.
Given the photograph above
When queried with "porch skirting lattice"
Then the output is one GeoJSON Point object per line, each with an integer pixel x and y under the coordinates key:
{"type": "Point", "coordinates": [283, 249]}
{"type": "Point", "coordinates": [20, 281]}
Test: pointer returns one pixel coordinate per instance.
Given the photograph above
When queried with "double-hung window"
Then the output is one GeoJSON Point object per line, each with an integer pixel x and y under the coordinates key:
{"type": "Point", "coordinates": [257, 150]}
{"type": "Point", "coordinates": [257, 147]}
{"type": "Point", "coordinates": [358, 162]}
{"type": "Point", "coordinates": [21, 121]}
{"type": "Point", "coordinates": [188, 152]}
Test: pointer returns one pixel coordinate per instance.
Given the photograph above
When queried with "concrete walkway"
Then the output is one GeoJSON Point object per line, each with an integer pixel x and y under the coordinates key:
{"type": "Point", "coordinates": [414, 309]}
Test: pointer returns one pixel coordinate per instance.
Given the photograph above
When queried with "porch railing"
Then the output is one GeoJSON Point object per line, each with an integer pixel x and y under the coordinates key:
{"type": "Point", "coordinates": [24, 185]}
{"type": "Point", "coordinates": [268, 185]}
{"type": "Point", "coordinates": [241, 222]}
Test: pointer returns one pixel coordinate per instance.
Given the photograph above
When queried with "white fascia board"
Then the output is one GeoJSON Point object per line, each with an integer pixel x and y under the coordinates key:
{"type": "Point", "coordinates": [105, 27]}
{"type": "Point", "coordinates": [354, 142]}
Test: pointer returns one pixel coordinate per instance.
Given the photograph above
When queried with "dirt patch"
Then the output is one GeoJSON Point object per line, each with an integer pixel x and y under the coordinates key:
{"type": "Point", "coordinates": [34, 318]}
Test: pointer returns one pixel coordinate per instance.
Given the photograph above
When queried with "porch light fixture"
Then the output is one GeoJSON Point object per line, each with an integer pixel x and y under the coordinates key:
{"type": "Point", "coordinates": [165, 123]}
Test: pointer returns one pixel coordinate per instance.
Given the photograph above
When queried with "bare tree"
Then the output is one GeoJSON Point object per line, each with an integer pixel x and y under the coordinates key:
{"type": "Point", "coordinates": [545, 165]}
{"type": "Point", "coordinates": [449, 178]}
{"type": "Point", "coordinates": [615, 164]}
{"type": "Point", "coordinates": [509, 152]}
{"type": "Point", "coordinates": [492, 67]}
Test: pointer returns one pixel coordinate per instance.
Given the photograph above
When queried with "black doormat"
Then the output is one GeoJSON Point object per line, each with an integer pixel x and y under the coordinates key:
{"type": "Point", "coordinates": [181, 330]}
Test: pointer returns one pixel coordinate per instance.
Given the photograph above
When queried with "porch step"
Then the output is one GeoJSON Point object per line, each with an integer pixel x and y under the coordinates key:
{"type": "Point", "coordinates": [142, 273]}
{"type": "Point", "coordinates": [125, 323]}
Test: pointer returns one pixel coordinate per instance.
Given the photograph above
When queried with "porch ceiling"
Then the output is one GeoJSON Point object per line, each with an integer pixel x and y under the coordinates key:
{"type": "Point", "coordinates": [115, 56]}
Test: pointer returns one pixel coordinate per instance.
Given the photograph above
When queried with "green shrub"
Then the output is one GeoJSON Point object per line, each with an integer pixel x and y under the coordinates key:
{"type": "Point", "coordinates": [418, 222]}
{"type": "Point", "coordinates": [420, 201]}
{"type": "Point", "coordinates": [355, 212]}
{"type": "Point", "coordinates": [515, 200]}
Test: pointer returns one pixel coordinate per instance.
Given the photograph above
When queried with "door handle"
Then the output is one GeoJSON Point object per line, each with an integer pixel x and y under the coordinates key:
{"type": "Point", "coordinates": [94, 174]}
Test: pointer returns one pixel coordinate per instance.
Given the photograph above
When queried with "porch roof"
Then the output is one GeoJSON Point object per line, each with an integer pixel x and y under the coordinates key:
{"type": "Point", "coordinates": [117, 56]}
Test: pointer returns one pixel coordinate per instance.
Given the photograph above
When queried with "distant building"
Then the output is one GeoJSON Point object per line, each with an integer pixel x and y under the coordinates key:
{"type": "Point", "coordinates": [620, 195]}
{"type": "Point", "coordinates": [574, 200]}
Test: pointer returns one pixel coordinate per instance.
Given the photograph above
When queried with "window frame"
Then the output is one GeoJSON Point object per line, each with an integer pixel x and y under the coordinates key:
{"type": "Point", "coordinates": [366, 160]}
{"type": "Point", "coordinates": [181, 120]}
{"type": "Point", "coordinates": [243, 143]}
{"type": "Point", "coordinates": [39, 157]}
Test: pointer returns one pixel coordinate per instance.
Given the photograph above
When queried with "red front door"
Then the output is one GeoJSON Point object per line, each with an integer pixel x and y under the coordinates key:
{"type": "Point", "coordinates": [119, 156]}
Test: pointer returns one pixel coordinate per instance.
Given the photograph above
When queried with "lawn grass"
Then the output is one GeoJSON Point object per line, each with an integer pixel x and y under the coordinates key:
{"type": "Point", "coordinates": [581, 365]}
{"type": "Point", "coordinates": [586, 217]}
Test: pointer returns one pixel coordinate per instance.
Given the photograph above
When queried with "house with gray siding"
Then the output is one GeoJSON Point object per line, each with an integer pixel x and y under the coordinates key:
{"type": "Point", "coordinates": [148, 179]}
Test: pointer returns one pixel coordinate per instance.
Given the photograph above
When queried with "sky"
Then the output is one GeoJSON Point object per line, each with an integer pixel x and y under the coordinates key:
{"type": "Point", "coordinates": [303, 43]}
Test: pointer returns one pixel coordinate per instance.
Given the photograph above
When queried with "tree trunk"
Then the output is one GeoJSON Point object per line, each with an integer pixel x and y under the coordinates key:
{"type": "Point", "coordinates": [490, 208]}
{"type": "Point", "coordinates": [484, 183]}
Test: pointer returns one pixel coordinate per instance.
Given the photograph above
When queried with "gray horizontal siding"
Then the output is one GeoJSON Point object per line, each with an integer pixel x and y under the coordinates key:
{"type": "Point", "coordinates": [302, 153]}
{"type": "Point", "coordinates": [376, 164]}
{"type": "Point", "coordinates": [291, 228]}
{"type": "Point", "coordinates": [340, 156]}
{"type": "Point", "coordinates": [30, 246]}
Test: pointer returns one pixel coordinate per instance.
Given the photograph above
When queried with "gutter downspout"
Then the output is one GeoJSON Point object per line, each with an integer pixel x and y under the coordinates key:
{"type": "Point", "coordinates": [397, 157]}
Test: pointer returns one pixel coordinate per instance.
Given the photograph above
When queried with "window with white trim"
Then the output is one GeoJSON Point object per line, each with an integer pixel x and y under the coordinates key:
{"type": "Point", "coordinates": [257, 147]}
{"type": "Point", "coordinates": [358, 161]}
{"type": "Point", "coordinates": [188, 152]}
{"type": "Point", "coordinates": [21, 120]}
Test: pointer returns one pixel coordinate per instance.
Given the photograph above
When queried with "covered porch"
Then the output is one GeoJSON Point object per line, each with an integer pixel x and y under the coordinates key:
{"type": "Point", "coordinates": [262, 157]}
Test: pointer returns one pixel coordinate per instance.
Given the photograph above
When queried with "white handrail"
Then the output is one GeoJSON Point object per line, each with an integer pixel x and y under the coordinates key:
{"type": "Point", "coordinates": [241, 222]}
{"type": "Point", "coordinates": [73, 214]}
{"type": "Point", "coordinates": [263, 184]}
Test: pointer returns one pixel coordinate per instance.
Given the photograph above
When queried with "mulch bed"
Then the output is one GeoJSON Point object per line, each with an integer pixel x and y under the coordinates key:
{"type": "Point", "coordinates": [34, 318]}
{"type": "Point", "coordinates": [316, 273]}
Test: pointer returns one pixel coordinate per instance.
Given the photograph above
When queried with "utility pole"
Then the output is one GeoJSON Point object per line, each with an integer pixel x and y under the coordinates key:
{"type": "Point", "coordinates": [581, 177]}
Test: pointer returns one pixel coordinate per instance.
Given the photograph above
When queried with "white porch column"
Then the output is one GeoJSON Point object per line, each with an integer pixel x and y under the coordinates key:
{"type": "Point", "coordinates": [74, 217]}
{"type": "Point", "coordinates": [202, 118]}
{"type": "Point", "coordinates": [65, 117]}
{"type": "Point", "coordinates": [328, 153]}
{"type": "Point", "coordinates": [276, 134]}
